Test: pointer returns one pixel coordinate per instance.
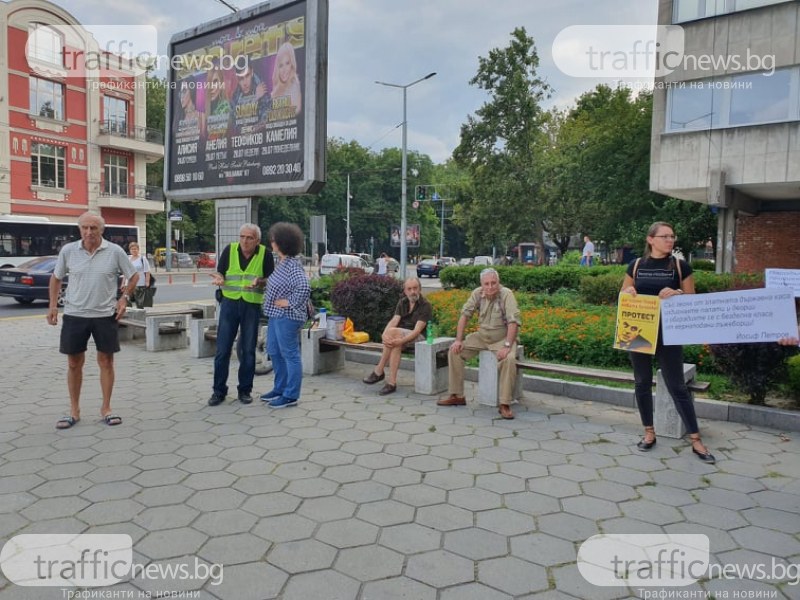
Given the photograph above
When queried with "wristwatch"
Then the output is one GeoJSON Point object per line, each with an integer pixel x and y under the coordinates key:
{"type": "Point", "coordinates": [507, 344]}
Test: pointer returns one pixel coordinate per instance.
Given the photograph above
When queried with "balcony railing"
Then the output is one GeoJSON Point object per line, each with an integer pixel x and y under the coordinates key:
{"type": "Point", "coordinates": [122, 129]}
{"type": "Point", "coordinates": [134, 192]}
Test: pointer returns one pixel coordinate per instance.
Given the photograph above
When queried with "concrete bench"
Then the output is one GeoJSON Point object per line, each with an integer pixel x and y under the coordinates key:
{"type": "Point", "coordinates": [202, 338]}
{"type": "Point", "coordinates": [166, 332]}
{"type": "Point", "coordinates": [666, 418]}
{"type": "Point", "coordinates": [321, 355]}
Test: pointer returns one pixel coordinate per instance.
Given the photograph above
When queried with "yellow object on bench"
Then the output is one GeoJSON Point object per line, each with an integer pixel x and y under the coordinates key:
{"type": "Point", "coordinates": [356, 337]}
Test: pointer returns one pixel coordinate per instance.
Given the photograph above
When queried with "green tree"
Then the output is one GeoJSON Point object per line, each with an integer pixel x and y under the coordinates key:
{"type": "Point", "coordinates": [501, 147]}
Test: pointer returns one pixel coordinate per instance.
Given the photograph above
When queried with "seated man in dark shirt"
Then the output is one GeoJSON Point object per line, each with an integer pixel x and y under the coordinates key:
{"type": "Point", "coordinates": [406, 326]}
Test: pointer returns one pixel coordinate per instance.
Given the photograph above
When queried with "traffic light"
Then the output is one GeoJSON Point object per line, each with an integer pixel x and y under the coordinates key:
{"type": "Point", "coordinates": [422, 192]}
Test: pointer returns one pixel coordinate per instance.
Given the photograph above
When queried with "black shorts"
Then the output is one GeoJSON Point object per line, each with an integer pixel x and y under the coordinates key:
{"type": "Point", "coordinates": [75, 333]}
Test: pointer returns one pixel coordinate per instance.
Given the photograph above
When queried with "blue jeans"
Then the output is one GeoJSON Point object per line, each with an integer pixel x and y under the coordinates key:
{"type": "Point", "coordinates": [236, 315]}
{"type": "Point", "coordinates": [283, 347]}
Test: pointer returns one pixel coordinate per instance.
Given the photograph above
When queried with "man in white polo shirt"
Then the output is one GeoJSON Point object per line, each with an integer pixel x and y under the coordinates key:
{"type": "Point", "coordinates": [91, 309]}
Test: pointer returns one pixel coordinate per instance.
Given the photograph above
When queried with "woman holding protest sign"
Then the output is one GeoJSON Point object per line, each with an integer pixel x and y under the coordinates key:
{"type": "Point", "coordinates": [659, 273]}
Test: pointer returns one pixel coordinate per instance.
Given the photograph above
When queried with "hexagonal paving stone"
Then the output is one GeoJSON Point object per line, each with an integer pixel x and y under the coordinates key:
{"type": "Point", "coordinates": [234, 549]}
{"type": "Point", "coordinates": [225, 522]}
{"type": "Point", "coordinates": [543, 549]}
{"type": "Point", "coordinates": [591, 508]}
{"type": "Point", "coordinates": [312, 488]}
{"type": "Point", "coordinates": [331, 458]}
{"type": "Point", "coordinates": [210, 500]}
{"type": "Point", "coordinates": [425, 464]}
{"type": "Point", "coordinates": [301, 556]}
{"type": "Point", "coordinates": [410, 538]}
{"type": "Point", "coordinates": [449, 480]}
{"type": "Point", "coordinates": [772, 519]}
{"type": "Point", "coordinates": [364, 491]}
{"type": "Point", "coordinates": [386, 512]}
{"type": "Point", "coordinates": [268, 505]}
{"type": "Point", "coordinates": [207, 481]}
{"type": "Point", "coordinates": [609, 490]}
{"type": "Point", "coordinates": [163, 495]}
{"type": "Point", "coordinates": [398, 588]}
{"type": "Point", "coordinates": [651, 512]}
{"type": "Point", "coordinates": [440, 568]}
{"type": "Point", "coordinates": [419, 495]}
{"type": "Point", "coordinates": [254, 580]}
{"type": "Point", "coordinates": [476, 543]}
{"type": "Point", "coordinates": [285, 528]}
{"type": "Point", "coordinates": [569, 580]}
{"type": "Point", "coordinates": [66, 487]}
{"type": "Point", "coordinates": [347, 533]}
{"type": "Point", "coordinates": [378, 461]}
{"type": "Point", "coordinates": [113, 511]}
{"type": "Point", "coordinates": [444, 517]}
{"type": "Point", "coordinates": [568, 527]}
{"type": "Point", "coordinates": [554, 486]}
{"type": "Point", "coordinates": [512, 575]}
{"type": "Point", "coordinates": [397, 476]}
{"type": "Point", "coordinates": [474, 499]}
{"type": "Point", "coordinates": [170, 543]}
{"type": "Point", "coordinates": [326, 584]}
{"type": "Point", "coordinates": [260, 484]}
{"type": "Point", "coordinates": [500, 483]}
{"type": "Point", "coordinates": [116, 490]}
{"type": "Point", "coordinates": [768, 541]}
{"type": "Point", "coordinates": [505, 521]}
{"type": "Point", "coordinates": [531, 503]}
{"type": "Point", "coordinates": [369, 563]}
{"type": "Point", "coordinates": [347, 473]}
{"type": "Point", "coordinates": [327, 509]}
{"type": "Point", "coordinates": [475, 466]}
{"type": "Point", "coordinates": [297, 470]}
{"type": "Point", "coordinates": [166, 517]}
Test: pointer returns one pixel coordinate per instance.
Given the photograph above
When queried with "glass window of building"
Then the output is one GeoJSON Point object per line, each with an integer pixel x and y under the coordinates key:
{"type": "Point", "coordinates": [760, 98]}
{"type": "Point", "coordinates": [47, 165]}
{"type": "Point", "coordinates": [115, 175]}
{"type": "Point", "coordinates": [115, 115]}
{"type": "Point", "coordinates": [46, 98]}
{"type": "Point", "coordinates": [45, 44]}
{"type": "Point", "coordinates": [691, 10]}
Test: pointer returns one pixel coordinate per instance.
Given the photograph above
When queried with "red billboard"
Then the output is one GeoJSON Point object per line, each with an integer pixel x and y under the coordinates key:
{"type": "Point", "coordinates": [246, 104]}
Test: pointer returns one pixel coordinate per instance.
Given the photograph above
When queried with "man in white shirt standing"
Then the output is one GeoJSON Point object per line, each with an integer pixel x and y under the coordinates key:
{"type": "Point", "coordinates": [588, 252]}
{"type": "Point", "coordinates": [91, 309]}
{"type": "Point", "coordinates": [383, 264]}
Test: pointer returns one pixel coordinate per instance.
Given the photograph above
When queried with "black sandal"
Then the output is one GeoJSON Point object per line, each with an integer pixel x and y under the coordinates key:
{"type": "Point", "coordinates": [644, 445]}
{"type": "Point", "coordinates": [703, 455]}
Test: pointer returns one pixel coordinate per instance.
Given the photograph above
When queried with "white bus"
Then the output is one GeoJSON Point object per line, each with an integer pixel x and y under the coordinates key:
{"type": "Point", "coordinates": [24, 238]}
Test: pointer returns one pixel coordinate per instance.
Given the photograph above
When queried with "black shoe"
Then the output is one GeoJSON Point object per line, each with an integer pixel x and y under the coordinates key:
{"type": "Point", "coordinates": [645, 446]}
{"type": "Point", "coordinates": [373, 377]}
{"type": "Point", "coordinates": [245, 398]}
{"type": "Point", "coordinates": [216, 399]}
{"type": "Point", "coordinates": [706, 456]}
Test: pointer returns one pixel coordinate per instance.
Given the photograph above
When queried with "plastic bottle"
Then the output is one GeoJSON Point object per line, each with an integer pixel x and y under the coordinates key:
{"type": "Point", "coordinates": [323, 318]}
{"type": "Point", "coordinates": [430, 335]}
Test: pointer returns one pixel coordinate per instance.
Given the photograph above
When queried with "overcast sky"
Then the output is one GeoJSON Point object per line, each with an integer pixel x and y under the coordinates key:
{"type": "Point", "coordinates": [399, 41]}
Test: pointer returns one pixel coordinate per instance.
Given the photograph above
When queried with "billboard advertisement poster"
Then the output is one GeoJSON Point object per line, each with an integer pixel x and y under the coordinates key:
{"type": "Point", "coordinates": [412, 236]}
{"type": "Point", "coordinates": [244, 104]}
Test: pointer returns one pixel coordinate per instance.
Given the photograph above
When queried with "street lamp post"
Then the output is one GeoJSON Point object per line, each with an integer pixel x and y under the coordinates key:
{"type": "Point", "coordinates": [403, 190]}
{"type": "Point", "coordinates": [347, 233]}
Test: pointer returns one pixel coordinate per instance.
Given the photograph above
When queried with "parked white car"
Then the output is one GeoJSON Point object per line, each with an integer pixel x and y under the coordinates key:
{"type": "Point", "coordinates": [331, 262]}
{"type": "Point", "coordinates": [482, 261]}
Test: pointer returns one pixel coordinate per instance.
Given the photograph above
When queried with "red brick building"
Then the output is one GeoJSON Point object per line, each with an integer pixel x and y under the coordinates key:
{"type": "Point", "coordinates": [72, 122]}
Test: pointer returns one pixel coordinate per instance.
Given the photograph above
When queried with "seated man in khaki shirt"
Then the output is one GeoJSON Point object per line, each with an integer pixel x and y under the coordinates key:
{"type": "Point", "coordinates": [498, 323]}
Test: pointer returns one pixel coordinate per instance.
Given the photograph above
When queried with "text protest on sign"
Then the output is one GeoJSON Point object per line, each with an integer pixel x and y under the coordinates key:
{"type": "Point", "coordinates": [763, 315]}
{"type": "Point", "coordinates": [790, 278]}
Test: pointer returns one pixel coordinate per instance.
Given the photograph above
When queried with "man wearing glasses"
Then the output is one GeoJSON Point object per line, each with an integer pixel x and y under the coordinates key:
{"type": "Point", "coordinates": [498, 323]}
{"type": "Point", "coordinates": [242, 272]}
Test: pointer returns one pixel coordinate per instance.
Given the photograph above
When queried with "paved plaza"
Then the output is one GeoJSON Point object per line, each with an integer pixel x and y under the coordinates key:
{"type": "Point", "coordinates": [352, 495]}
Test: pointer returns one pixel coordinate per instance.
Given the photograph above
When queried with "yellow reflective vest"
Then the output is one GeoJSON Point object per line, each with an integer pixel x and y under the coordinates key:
{"type": "Point", "coordinates": [236, 280]}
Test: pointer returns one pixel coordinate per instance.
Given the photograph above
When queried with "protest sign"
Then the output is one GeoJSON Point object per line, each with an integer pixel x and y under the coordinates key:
{"type": "Point", "coordinates": [776, 278]}
{"type": "Point", "coordinates": [637, 323]}
{"type": "Point", "coordinates": [762, 315]}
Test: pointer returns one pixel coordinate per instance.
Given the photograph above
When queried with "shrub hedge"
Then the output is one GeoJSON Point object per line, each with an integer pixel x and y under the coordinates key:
{"type": "Point", "coordinates": [369, 301]}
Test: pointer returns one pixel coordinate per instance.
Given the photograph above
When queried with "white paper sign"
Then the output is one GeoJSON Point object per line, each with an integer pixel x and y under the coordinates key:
{"type": "Point", "coordinates": [776, 278]}
{"type": "Point", "coordinates": [745, 316]}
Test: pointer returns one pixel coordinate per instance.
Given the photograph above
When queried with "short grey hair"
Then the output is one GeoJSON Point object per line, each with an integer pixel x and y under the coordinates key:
{"type": "Point", "coordinates": [490, 271]}
{"type": "Point", "coordinates": [91, 215]}
{"type": "Point", "coordinates": [253, 227]}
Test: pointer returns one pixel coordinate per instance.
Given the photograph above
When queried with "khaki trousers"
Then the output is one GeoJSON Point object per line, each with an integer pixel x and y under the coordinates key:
{"type": "Point", "coordinates": [474, 343]}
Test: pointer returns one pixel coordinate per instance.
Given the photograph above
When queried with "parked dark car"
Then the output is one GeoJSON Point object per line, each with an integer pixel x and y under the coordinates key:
{"type": "Point", "coordinates": [429, 267]}
{"type": "Point", "coordinates": [31, 281]}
